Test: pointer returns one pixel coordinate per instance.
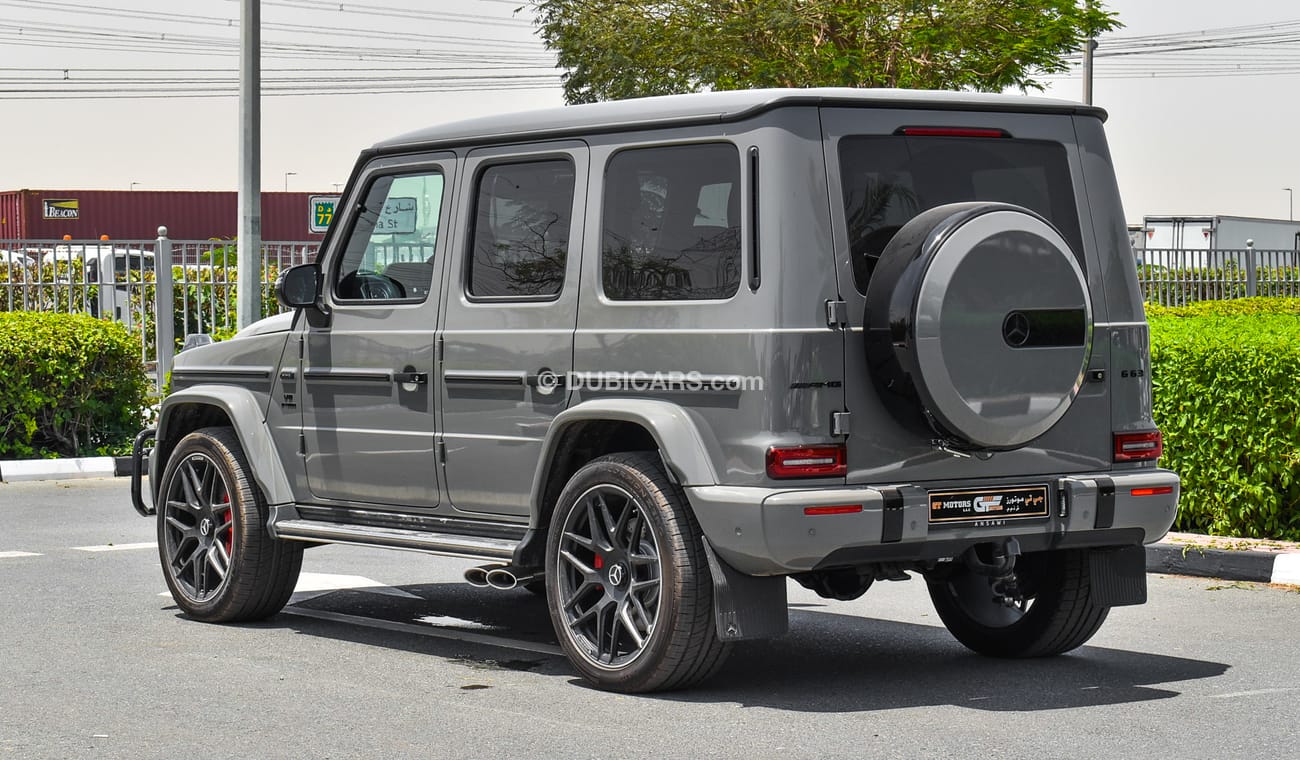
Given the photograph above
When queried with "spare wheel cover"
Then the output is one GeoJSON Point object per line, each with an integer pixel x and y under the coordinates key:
{"type": "Point", "coordinates": [1000, 329]}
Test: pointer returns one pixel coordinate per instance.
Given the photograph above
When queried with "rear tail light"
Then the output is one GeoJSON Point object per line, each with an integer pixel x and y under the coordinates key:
{"type": "Point", "coordinates": [1139, 447]}
{"type": "Point", "coordinates": [807, 461]}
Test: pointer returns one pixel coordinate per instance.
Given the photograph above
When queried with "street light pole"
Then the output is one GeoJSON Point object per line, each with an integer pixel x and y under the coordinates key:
{"type": "Point", "coordinates": [287, 175]}
{"type": "Point", "coordinates": [1088, 51]}
{"type": "Point", "coordinates": [1290, 204]}
{"type": "Point", "coordinates": [133, 184]}
{"type": "Point", "coordinates": [249, 251]}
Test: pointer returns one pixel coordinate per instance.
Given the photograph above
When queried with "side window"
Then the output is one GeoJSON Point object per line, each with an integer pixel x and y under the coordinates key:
{"type": "Point", "coordinates": [389, 255]}
{"type": "Point", "coordinates": [521, 230]}
{"type": "Point", "coordinates": [672, 223]}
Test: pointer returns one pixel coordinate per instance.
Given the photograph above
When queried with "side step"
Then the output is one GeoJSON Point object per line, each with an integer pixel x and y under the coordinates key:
{"type": "Point", "coordinates": [450, 544]}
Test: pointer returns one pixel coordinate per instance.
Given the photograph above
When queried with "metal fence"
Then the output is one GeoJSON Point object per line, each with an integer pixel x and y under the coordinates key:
{"type": "Point", "coordinates": [119, 280]}
{"type": "Point", "coordinates": [1174, 277]}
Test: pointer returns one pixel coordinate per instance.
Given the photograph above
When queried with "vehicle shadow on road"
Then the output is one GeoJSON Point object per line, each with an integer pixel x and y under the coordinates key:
{"type": "Point", "coordinates": [840, 663]}
{"type": "Point", "coordinates": [827, 662]}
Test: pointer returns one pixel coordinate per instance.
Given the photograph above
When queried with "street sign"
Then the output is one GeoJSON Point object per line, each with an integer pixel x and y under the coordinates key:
{"type": "Point", "coordinates": [320, 212]}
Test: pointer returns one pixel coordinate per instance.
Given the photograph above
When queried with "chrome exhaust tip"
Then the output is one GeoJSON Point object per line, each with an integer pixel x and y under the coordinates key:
{"type": "Point", "coordinates": [502, 578]}
{"type": "Point", "coordinates": [477, 576]}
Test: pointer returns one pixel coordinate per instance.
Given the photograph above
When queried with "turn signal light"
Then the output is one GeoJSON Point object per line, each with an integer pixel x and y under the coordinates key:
{"type": "Point", "coordinates": [1139, 447]}
{"type": "Point", "coordinates": [807, 461]}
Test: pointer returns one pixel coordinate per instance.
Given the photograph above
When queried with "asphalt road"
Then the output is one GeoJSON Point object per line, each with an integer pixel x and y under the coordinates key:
{"type": "Point", "coordinates": [389, 653]}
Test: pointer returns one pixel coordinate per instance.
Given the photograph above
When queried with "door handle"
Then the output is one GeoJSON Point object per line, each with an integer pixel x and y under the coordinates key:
{"type": "Point", "coordinates": [404, 377]}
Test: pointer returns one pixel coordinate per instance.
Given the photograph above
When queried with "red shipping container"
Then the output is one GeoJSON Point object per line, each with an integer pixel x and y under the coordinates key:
{"type": "Point", "coordinates": [137, 214]}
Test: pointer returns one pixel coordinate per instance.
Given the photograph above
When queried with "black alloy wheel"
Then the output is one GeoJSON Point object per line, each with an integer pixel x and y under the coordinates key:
{"type": "Point", "coordinates": [199, 527]}
{"type": "Point", "coordinates": [609, 579]}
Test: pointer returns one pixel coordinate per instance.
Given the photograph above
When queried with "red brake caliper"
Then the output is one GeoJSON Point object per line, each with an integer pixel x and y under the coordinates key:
{"type": "Point", "coordinates": [599, 563]}
{"type": "Point", "coordinates": [227, 517]}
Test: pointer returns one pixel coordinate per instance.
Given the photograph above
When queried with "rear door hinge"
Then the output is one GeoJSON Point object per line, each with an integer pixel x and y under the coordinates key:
{"type": "Point", "coordinates": [841, 423]}
{"type": "Point", "coordinates": [837, 313]}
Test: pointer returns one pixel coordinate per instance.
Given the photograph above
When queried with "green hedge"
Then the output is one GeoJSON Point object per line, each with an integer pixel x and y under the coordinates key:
{"type": "Point", "coordinates": [70, 385]}
{"type": "Point", "coordinates": [1227, 396]}
{"type": "Point", "coordinates": [1236, 308]}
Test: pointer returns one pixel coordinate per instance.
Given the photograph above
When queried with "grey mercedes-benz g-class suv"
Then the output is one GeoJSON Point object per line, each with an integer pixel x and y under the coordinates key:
{"type": "Point", "coordinates": [651, 358]}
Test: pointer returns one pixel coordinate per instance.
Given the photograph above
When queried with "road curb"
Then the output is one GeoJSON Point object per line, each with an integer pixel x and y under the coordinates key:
{"type": "Point", "coordinates": [1177, 558]}
{"type": "Point", "coordinates": [18, 470]}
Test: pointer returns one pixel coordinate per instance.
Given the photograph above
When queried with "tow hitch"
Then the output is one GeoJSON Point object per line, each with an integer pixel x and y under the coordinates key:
{"type": "Point", "coordinates": [1001, 570]}
{"type": "Point", "coordinates": [137, 470]}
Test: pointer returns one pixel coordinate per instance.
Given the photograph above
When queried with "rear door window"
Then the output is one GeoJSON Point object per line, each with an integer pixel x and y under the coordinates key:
{"type": "Point", "coordinates": [521, 230]}
{"type": "Point", "coordinates": [888, 179]}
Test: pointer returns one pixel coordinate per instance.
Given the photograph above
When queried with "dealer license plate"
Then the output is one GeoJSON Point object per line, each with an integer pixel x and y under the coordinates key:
{"type": "Point", "coordinates": [988, 504]}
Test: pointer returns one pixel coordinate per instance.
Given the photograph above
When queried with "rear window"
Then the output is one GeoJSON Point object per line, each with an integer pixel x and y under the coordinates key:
{"type": "Point", "coordinates": [672, 223]}
{"type": "Point", "coordinates": [889, 179]}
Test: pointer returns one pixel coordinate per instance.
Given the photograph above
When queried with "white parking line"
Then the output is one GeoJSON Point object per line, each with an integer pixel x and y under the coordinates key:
{"type": "Point", "coordinates": [1255, 692]}
{"type": "Point", "coordinates": [116, 547]}
{"type": "Point", "coordinates": [315, 584]}
{"type": "Point", "coordinates": [312, 585]}
{"type": "Point", "coordinates": [15, 555]}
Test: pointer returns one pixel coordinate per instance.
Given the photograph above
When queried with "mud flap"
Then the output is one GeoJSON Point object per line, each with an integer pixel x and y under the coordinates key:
{"type": "Point", "coordinates": [746, 606]}
{"type": "Point", "coordinates": [1118, 576]}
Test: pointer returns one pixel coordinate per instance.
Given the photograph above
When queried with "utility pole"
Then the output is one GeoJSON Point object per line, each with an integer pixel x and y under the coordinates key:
{"type": "Point", "coordinates": [1087, 69]}
{"type": "Point", "coordinates": [1088, 50]}
{"type": "Point", "coordinates": [248, 308]}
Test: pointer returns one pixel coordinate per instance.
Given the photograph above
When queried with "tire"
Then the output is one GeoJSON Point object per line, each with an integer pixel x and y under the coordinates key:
{"type": "Point", "coordinates": [628, 583]}
{"type": "Point", "coordinates": [1060, 616]}
{"type": "Point", "coordinates": [219, 561]}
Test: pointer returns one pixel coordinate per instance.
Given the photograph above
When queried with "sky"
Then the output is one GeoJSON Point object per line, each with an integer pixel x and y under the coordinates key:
{"type": "Point", "coordinates": [1193, 132]}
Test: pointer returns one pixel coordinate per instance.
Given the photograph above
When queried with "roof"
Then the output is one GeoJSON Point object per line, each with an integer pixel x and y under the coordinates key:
{"type": "Point", "coordinates": [711, 107]}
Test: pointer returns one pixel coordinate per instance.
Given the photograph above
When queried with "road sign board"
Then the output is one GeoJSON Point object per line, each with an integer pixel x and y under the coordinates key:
{"type": "Point", "coordinates": [320, 211]}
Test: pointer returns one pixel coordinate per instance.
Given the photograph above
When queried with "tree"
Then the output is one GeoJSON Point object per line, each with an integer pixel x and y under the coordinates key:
{"type": "Point", "coordinates": [615, 49]}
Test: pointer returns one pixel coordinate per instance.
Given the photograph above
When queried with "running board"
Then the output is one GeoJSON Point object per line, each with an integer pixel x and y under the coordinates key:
{"type": "Point", "coordinates": [450, 544]}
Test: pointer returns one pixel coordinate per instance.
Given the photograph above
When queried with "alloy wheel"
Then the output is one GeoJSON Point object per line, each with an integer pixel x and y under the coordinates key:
{"type": "Point", "coordinates": [199, 532]}
{"type": "Point", "coordinates": [609, 576]}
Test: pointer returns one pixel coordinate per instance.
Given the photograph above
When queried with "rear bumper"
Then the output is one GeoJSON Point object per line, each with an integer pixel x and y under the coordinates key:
{"type": "Point", "coordinates": [764, 531]}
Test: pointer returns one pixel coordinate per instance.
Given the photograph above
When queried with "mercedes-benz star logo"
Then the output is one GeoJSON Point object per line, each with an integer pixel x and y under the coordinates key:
{"type": "Point", "coordinates": [616, 573]}
{"type": "Point", "coordinates": [1015, 329]}
{"type": "Point", "coordinates": [205, 527]}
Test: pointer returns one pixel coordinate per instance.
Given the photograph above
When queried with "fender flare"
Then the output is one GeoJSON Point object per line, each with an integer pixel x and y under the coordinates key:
{"type": "Point", "coordinates": [683, 449]}
{"type": "Point", "coordinates": [240, 406]}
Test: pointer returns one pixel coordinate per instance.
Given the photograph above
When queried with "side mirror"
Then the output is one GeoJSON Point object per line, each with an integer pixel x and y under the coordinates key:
{"type": "Point", "coordinates": [299, 286]}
